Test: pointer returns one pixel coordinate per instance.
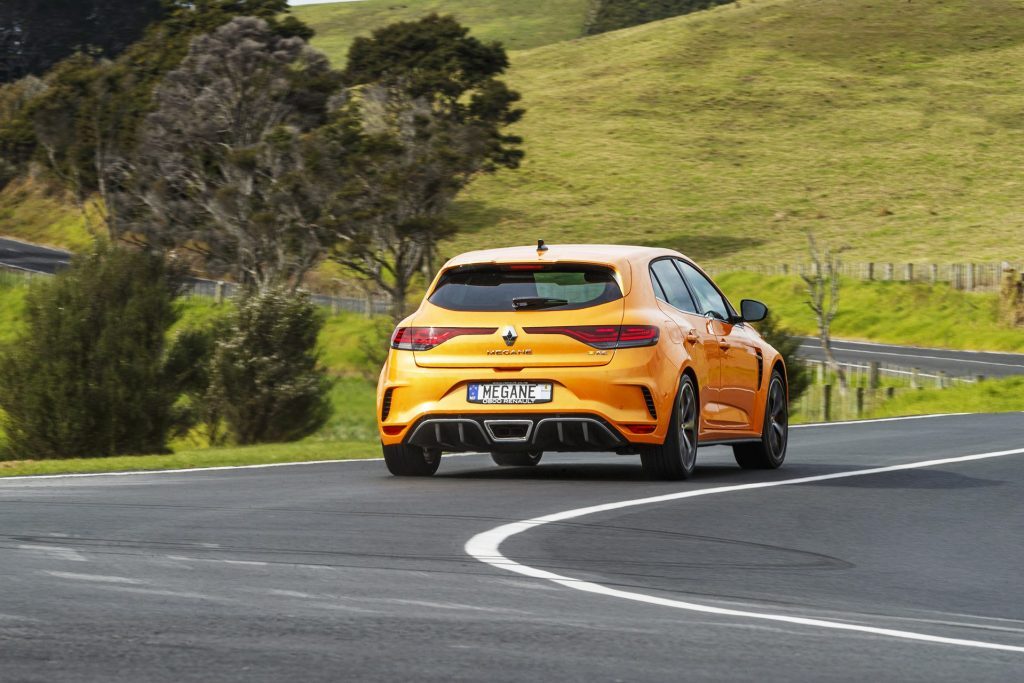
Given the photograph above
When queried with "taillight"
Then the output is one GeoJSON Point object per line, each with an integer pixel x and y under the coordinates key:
{"type": "Point", "coordinates": [426, 338]}
{"type": "Point", "coordinates": [605, 336]}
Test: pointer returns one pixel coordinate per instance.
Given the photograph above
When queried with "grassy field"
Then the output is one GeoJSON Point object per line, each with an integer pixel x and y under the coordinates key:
{"type": "Point", "coordinates": [29, 213]}
{"type": "Point", "coordinates": [916, 314]}
{"type": "Point", "coordinates": [517, 24]}
{"type": "Point", "coordinates": [990, 396]}
{"type": "Point", "coordinates": [887, 126]}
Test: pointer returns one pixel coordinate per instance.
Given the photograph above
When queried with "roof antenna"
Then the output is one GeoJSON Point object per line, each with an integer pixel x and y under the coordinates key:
{"type": "Point", "coordinates": [541, 246]}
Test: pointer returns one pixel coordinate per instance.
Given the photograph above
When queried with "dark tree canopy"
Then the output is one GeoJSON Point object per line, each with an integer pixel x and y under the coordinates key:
{"type": "Point", "coordinates": [611, 15]}
{"type": "Point", "coordinates": [36, 34]}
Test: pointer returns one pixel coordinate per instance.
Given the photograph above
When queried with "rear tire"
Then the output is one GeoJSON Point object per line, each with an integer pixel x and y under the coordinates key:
{"type": "Point", "coordinates": [410, 461]}
{"type": "Point", "coordinates": [770, 452]}
{"type": "Point", "coordinates": [676, 458]}
{"type": "Point", "coordinates": [520, 459]}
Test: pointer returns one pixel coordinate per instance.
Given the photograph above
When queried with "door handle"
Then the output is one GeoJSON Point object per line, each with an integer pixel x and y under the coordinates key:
{"type": "Point", "coordinates": [692, 337]}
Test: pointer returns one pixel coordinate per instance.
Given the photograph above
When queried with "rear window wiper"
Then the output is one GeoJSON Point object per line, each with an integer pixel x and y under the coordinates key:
{"type": "Point", "coordinates": [521, 302]}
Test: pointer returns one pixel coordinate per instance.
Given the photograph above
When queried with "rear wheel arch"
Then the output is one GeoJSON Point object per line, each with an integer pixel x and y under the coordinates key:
{"type": "Point", "coordinates": [688, 370]}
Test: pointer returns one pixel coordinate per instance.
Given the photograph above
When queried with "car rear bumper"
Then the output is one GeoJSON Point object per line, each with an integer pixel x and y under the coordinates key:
{"type": "Point", "coordinates": [516, 432]}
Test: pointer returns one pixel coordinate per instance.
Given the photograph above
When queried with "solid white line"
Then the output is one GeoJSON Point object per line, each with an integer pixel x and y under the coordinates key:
{"type": "Point", "coordinates": [218, 468]}
{"type": "Point", "coordinates": [876, 419]}
{"type": "Point", "coordinates": [485, 548]}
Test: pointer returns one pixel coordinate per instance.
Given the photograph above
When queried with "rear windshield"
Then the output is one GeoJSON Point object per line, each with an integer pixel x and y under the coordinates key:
{"type": "Point", "coordinates": [525, 287]}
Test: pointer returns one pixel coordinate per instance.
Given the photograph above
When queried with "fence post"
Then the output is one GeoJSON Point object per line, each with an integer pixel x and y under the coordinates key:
{"type": "Point", "coordinates": [860, 401]}
{"type": "Point", "coordinates": [915, 381]}
{"type": "Point", "coordinates": [826, 403]}
{"type": "Point", "coordinates": [888, 272]}
{"type": "Point", "coordinates": [935, 273]}
{"type": "Point", "coordinates": [871, 270]}
{"type": "Point", "coordinates": [218, 292]}
{"type": "Point", "coordinates": [908, 272]}
{"type": "Point", "coordinates": [942, 379]}
{"type": "Point", "coordinates": [970, 277]}
{"type": "Point", "coordinates": [890, 392]}
{"type": "Point", "coordinates": [873, 374]}
{"type": "Point", "coordinates": [979, 378]}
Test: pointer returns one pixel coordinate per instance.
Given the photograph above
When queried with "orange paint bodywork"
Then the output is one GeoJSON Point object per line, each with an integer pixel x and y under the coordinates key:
{"type": "Point", "coordinates": [731, 363]}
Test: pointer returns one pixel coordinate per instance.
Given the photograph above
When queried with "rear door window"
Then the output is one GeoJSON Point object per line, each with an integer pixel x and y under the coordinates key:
{"type": "Point", "coordinates": [525, 287]}
{"type": "Point", "coordinates": [669, 286]}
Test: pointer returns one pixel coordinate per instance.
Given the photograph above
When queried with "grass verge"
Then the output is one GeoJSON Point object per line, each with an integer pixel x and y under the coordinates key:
{"type": "Point", "coordinates": [990, 396]}
{"type": "Point", "coordinates": [303, 451]}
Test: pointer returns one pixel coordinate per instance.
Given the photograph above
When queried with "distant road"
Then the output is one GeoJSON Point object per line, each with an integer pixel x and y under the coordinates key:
{"type": "Point", "coordinates": [953, 363]}
{"type": "Point", "coordinates": [32, 256]}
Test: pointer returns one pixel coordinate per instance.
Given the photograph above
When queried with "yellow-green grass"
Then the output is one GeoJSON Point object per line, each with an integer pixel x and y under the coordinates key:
{"type": "Point", "coordinates": [887, 126]}
{"type": "Point", "coordinates": [990, 396]}
{"type": "Point", "coordinates": [30, 212]}
{"type": "Point", "coordinates": [302, 451]}
{"type": "Point", "coordinates": [915, 314]}
{"type": "Point", "coordinates": [517, 24]}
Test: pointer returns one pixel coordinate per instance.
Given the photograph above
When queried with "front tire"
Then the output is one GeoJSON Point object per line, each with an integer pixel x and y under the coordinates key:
{"type": "Point", "coordinates": [676, 458]}
{"type": "Point", "coordinates": [518, 459]}
{"type": "Point", "coordinates": [770, 452]}
{"type": "Point", "coordinates": [410, 461]}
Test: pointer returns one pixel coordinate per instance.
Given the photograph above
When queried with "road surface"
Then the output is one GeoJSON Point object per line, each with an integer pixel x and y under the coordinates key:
{"type": "Point", "coordinates": [338, 571]}
{"type": "Point", "coordinates": [930, 361]}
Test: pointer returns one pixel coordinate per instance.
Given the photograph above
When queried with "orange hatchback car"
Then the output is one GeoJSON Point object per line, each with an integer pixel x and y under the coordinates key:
{"type": "Point", "coordinates": [631, 350]}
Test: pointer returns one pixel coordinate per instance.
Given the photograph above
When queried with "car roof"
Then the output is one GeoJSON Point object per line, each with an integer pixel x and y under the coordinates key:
{"type": "Point", "coordinates": [619, 256]}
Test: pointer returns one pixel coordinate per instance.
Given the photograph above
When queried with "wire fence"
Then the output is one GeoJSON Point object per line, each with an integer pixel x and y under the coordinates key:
{"type": "Point", "coordinates": [869, 386]}
{"type": "Point", "coordinates": [219, 291]}
{"type": "Point", "coordinates": [963, 276]}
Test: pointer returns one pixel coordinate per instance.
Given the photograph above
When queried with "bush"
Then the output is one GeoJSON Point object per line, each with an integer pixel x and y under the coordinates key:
{"type": "Point", "coordinates": [86, 376]}
{"type": "Point", "coordinates": [797, 374]}
{"type": "Point", "coordinates": [265, 380]}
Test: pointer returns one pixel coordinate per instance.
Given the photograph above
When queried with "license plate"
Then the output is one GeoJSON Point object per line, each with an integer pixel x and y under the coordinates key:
{"type": "Point", "coordinates": [509, 393]}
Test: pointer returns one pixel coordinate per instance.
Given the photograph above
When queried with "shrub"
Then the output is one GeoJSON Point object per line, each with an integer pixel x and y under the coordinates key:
{"type": "Point", "coordinates": [86, 376]}
{"type": "Point", "coordinates": [265, 380]}
{"type": "Point", "coordinates": [797, 374]}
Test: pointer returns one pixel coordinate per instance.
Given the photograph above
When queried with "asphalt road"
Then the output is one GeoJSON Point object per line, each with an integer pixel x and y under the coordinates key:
{"type": "Point", "coordinates": [339, 572]}
{"type": "Point", "coordinates": [32, 256]}
{"type": "Point", "coordinates": [931, 361]}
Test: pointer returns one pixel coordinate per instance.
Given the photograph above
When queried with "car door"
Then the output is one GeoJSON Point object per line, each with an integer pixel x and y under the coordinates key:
{"type": "Point", "coordinates": [698, 335]}
{"type": "Point", "coordinates": [739, 356]}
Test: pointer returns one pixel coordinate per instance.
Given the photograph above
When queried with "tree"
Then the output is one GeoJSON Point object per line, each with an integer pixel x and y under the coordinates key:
{"type": "Point", "coordinates": [36, 35]}
{"type": "Point", "coordinates": [88, 376]}
{"type": "Point", "coordinates": [265, 380]}
{"type": "Point", "coordinates": [823, 299]}
{"type": "Point", "coordinates": [220, 167]}
{"type": "Point", "coordinates": [430, 114]}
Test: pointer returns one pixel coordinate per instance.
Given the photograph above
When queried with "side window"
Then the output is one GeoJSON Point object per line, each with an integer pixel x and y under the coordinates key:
{"type": "Point", "coordinates": [672, 288]}
{"type": "Point", "coordinates": [707, 295]}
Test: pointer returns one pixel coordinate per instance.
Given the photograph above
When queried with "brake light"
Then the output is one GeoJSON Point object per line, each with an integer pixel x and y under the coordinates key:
{"type": "Point", "coordinates": [605, 336]}
{"type": "Point", "coordinates": [426, 338]}
{"type": "Point", "coordinates": [525, 266]}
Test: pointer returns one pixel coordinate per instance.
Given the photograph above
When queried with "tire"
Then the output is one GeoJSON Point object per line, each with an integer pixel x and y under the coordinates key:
{"type": "Point", "coordinates": [410, 461]}
{"type": "Point", "coordinates": [770, 452]}
{"type": "Point", "coordinates": [520, 459]}
{"type": "Point", "coordinates": [676, 458]}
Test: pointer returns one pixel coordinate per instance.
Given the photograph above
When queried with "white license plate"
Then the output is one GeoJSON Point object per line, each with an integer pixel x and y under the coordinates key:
{"type": "Point", "coordinates": [509, 393]}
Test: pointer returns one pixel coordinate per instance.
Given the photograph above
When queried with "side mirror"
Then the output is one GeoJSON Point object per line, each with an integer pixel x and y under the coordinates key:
{"type": "Point", "coordinates": [752, 311]}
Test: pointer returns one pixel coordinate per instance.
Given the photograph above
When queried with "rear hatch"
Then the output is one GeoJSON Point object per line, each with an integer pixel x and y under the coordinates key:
{"type": "Point", "coordinates": [517, 316]}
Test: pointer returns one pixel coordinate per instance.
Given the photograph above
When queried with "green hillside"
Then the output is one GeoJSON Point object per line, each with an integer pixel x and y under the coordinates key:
{"type": "Point", "coordinates": [518, 24]}
{"type": "Point", "coordinates": [894, 127]}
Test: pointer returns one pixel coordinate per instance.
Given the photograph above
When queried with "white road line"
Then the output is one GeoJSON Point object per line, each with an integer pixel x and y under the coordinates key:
{"type": "Point", "coordinates": [873, 420]}
{"type": "Point", "coordinates": [485, 548]}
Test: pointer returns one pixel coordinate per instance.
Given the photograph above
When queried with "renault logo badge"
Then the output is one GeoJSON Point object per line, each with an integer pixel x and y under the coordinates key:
{"type": "Point", "coordinates": [508, 333]}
